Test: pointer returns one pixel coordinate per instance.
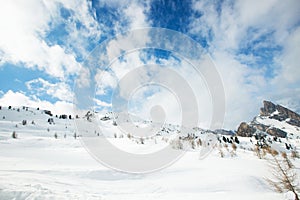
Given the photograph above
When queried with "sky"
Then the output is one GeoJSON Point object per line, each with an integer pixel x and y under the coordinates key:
{"type": "Point", "coordinates": [47, 49]}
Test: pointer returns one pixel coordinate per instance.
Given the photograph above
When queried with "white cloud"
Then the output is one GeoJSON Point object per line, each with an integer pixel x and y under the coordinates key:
{"type": "Point", "coordinates": [136, 14]}
{"type": "Point", "coordinates": [290, 59]}
{"type": "Point", "coordinates": [83, 79]}
{"type": "Point", "coordinates": [59, 90]}
{"type": "Point", "coordinates": [104, 79]}
{"type": "Point", "coordinates": [245, 86]}
{"type": "Point", "coordinates": [24, 26]}
{"type": "Point", "coordinates": [11, 98]}
{"type": "Point", "coordinates": [230, 26]}
{"type": "Point", "coordinates": [132, 74]}
{"type": "Point", "coordinates": [102, 103]}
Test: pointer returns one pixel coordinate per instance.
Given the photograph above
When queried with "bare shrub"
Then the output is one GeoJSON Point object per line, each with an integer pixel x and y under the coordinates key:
{"type": "Point", "coordinates": [234, 147]}
{"type": "Point", "coordinates": [193, 145]}
{"type": "Point", "coordinates": [233, 151]}
{"type": "Point", "coordinates": [258, 152]}
{"type": "Point", "coordinates": [221, 151]}
{"type": "Point", "coordinates": [284, 175]}
{"type": "Point", "coordinates": [176, 144]}
{"type": "Point", "coordinates": [295, 154]}
{"type": "Point", "coordinates": [199, 142]}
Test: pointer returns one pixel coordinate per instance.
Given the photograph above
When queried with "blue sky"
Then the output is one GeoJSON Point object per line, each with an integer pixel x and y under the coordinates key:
{"type": "Point", "coordinates": [253, 44]}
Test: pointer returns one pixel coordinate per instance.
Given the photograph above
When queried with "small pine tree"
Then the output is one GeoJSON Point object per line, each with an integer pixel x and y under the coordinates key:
{"type": "Point", "coordinates": [14, 135]}
{"type": "Point", "coordinates": [236, 140]}
{"type": "Point", "coordinates": [142, 140]}
{"type": "Point", "coordinates": [24, 122]}
{"type": "Point", "coordinates": [55, 135]}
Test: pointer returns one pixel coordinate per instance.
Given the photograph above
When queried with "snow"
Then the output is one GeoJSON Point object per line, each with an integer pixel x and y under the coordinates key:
{"type": "Point", "coordinates": [38, 166]}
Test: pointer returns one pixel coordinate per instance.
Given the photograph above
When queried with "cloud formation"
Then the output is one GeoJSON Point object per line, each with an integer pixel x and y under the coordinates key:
{"type": "Point", "coordinates": [254, 45]}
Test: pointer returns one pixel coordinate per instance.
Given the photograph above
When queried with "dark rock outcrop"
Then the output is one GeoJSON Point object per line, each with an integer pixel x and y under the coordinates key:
{"type": "Point", "coordinates": [268, 108]}
{"type": "Point", "coordinates": [223, 132]}
{"type": "Point", "coordinates": [245, 130]}
{"type": "Point", "coordinates": [259, 126]}
{"type": "Point", "coordinates": [294, 122]}
{"type": "Point", "coordinates": [276, 132]}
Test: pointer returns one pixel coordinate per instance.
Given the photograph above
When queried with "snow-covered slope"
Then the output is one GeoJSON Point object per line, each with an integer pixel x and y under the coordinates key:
{"type": "Point", "coordinates": [46, 161]}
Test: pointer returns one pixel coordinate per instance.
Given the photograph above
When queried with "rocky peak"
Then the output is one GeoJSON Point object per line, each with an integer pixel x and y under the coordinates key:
{"type": "Point", "coordinates": [268, 108]}
{"type": "Point", "coordinates": [272, 111]}
{"type": "Point", "coordinates": [281, 114]}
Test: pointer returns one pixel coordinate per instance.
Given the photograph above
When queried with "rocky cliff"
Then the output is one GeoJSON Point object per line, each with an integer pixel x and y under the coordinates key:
{"type": "Point", "coordinates": [272, 120]}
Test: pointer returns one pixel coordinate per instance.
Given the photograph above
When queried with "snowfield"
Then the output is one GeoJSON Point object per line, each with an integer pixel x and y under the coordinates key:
{"type": "Point", "coordinates": [37, 165]}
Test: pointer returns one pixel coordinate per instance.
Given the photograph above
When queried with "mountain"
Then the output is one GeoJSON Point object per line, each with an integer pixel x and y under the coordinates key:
{"type": "Point", "coordinates": [274, 120]}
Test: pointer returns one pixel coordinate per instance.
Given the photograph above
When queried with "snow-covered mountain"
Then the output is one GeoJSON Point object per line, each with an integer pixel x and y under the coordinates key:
{"type": "Point", "coordinates": [274, 120]}
{"type": "Point", "coordinates": [42, 157]}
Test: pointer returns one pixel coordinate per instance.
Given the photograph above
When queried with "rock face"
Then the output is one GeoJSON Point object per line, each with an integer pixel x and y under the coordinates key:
{"type": "Point", "coordinates": [281, 115]}
{"type": "Point", "coordinates": [223, 132]}
{"type": "Point", "coordinates": [271, 111]}
{"type": "Point", "coordinates": [260, 127]}
{"type": "Point", "coordinates": [268, 108]}
{"type": "Point", "coordinates": [276, 132]}
{"type": "Point", "coordinates": [245, 130]}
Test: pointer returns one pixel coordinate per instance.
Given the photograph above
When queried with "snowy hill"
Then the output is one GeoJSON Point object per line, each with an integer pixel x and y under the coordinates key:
{"type": "Point", "coordinates": [46, 160]}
